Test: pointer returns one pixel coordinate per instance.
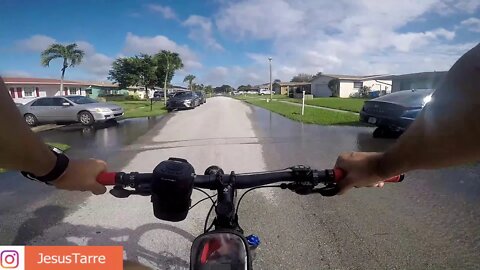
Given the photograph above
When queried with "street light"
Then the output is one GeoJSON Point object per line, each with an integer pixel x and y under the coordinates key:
{"type": "Point", "coordinates": [271, 90]}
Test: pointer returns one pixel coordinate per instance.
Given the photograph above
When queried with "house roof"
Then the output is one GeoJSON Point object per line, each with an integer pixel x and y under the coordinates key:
{"type": "Point", "coordinates": [418, 75]}
{"type": "Point", "coordinates": [101, 84]}
{"type": "Point", "coordinates": [292, 83]}
{"type": "Point", "coordinates": [352, 77]}
{"type": "Point", "coordinates": [44, 81]}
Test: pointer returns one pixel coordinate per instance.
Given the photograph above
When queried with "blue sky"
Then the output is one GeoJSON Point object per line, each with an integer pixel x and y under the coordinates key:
{"type": "Point", "coordinates": [224, 41]}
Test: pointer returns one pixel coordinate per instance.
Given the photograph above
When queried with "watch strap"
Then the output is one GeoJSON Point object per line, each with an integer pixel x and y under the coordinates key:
{"type": "Point", "coordinates": [60, 167]}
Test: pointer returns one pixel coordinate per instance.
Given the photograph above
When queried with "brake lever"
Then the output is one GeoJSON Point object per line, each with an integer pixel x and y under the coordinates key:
{"type": "Point", "coordinates": [120, 192]}
{"type": "Point", "coordinates": [329, 190]}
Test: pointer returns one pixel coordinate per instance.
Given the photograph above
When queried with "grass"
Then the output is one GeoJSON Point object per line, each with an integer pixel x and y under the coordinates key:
{"type": "Point", "coordinates": [311, 116]}
{"type": "Point", "coordinates": [135, 109]}
{"type": "Point", "coordinates": [61, 146]}
{"type": "Point", "coordinates": [346, 104]}
{"type": "Point", "coordinates": [253, 96]}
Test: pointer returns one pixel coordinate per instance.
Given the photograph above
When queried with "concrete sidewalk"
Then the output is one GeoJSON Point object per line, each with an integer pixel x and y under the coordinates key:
{"type": "Point", "coordinates": [46, 127]}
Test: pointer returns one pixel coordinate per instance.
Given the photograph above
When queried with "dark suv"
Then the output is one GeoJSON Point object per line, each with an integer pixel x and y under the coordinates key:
{"type": "Point", "coordinates": [183, 100]}
{"type": "Point", "coordinates": [394, 112]}
{"type": "Point", "coordinates": [202, 97]}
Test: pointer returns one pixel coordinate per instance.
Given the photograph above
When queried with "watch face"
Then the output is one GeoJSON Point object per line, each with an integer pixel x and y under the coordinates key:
{"type": "Point", "coordinates": [56, 150]}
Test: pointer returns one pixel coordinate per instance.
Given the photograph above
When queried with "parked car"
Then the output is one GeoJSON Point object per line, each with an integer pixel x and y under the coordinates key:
{"type": "Point", "coordinates": [158, 95]}
{"type": "Point", "coordinates": [68, 109]}
{"type": "Point", "coordinates": [202, 97]}
{"type": "Point", "coordinates": [183, 100]}
{"type": "Point", "coordinates": [393, 113]}
{"type": "Point", "coordinates": [264, 92]}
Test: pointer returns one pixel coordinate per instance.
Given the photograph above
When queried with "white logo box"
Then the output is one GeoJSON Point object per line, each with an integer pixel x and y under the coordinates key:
{"type": "Point", "coordinates": [12, 258]}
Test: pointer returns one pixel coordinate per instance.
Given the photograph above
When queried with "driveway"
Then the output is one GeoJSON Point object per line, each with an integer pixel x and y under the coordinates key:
{"type": "Point", "coordinates": [430, 221]}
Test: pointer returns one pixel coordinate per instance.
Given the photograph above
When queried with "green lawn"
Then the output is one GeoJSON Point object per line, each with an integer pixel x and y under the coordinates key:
{"type": "Point", "coordinates": [346, 104]}
{"type": "Point", "coordinates": [252, 96]}
{"type": "Point", "coordinates": [311, 116]}
{"type": "Point", "coordinates": [61, 146]}
{"type": "Point", "coordinates": [134, 109]}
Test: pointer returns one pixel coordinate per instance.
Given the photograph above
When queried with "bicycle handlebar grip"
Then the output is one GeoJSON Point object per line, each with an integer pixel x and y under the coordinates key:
{"type": "Point", "coordinates": [107, 178]}
{"type": "Point", "coordinates": [339, 174]}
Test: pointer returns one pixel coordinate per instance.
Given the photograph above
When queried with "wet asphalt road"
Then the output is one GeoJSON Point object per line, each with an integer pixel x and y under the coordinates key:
{"type": "Point", "coordinates": [431, 221]}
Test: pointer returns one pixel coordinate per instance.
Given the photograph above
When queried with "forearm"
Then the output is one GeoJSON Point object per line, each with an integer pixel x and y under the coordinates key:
{"type": "Point", "coordinates": [20, 148]}
{"type": "Point", "coordinates": [447, 132]}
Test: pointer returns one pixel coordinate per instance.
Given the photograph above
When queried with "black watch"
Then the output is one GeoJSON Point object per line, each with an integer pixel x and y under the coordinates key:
{"type": "Point", "coordinates": [60, 167]}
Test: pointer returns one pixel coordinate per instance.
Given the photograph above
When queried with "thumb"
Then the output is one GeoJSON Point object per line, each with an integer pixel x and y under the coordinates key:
{"type": "Point", "coordinates": [95, 187]}
{"type": "Point", "coordinates": [345, 184]}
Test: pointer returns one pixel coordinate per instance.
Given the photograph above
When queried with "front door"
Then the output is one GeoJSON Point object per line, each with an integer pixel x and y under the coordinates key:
{"type": "Point", "coordinates": [63, 112]}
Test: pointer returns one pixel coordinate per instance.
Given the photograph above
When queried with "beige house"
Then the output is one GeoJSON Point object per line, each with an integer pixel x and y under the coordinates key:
{"type": "Point", "coordinates": [349, 85]}
{"type": "Point", "coordinates": [284, 88]}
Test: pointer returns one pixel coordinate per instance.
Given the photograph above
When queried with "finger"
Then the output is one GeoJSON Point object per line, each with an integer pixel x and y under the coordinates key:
{"type": "Point", "coordinates": [98, 189]}
{"type": "Point", "coordinates": [345, 185]}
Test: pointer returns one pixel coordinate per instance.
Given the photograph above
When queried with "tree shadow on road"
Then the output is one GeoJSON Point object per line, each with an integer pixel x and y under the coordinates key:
{"type": "Point", "coordinates": [49, 216]}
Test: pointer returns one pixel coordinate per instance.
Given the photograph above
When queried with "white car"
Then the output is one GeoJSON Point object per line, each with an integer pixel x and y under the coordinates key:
{"type": "Point", "coordinates": [264, 92]}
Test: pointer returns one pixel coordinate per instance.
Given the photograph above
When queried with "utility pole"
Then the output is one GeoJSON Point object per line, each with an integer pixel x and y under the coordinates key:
{"type": "Point", "coordinates": [271, 90]}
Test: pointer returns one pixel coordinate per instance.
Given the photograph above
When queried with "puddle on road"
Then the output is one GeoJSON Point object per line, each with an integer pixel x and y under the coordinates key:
{"type": "Point", "coordinates": [101, 138]}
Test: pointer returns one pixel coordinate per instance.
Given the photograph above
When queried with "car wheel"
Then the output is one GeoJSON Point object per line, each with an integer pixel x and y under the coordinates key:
{"type": "Point", "coordinates": [86, 118]}
{"type": "Point", "coordinates": [383, 132]}
{"type": "Point", "coordinates": [31, 119]}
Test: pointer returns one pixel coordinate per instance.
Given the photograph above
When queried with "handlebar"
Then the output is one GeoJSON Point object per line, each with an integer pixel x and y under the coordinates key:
{"type": "Point", "coordinates": [300, 175]}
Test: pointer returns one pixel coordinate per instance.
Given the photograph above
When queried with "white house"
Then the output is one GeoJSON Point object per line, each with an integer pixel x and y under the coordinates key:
{"type": "Point", "coordinates": [22, 90]}
{"type": "Point", "coordinates": [348, 84]}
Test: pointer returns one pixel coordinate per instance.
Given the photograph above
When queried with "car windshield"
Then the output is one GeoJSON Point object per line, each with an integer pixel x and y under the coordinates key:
{"type": "Point", "coordinates": [183, 94]}
{"type": "Point", "coordinates": [82, 100]}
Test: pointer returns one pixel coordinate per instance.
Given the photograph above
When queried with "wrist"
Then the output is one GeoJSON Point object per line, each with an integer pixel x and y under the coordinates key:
{"type": "Point", "coordinates": [44, 165]}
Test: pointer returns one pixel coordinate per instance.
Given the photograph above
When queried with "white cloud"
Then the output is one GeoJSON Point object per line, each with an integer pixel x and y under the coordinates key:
{"type": "Point", "coordinates": [96, 65]}
{"type": "Point", "coordinates": [472, 24]}
{"type": "Point", "coordinates": [201, 30]}
{"type": "Point", "coordinates": [165, 11]}
{"type": "Point", "coordinates": [150, 45]}
{"type": "Point", "coordinates": [15, 73]}
{"type": "Point", "coordinates": [35, 43]}
{"type": "Point", "coordinates": [352, 37]}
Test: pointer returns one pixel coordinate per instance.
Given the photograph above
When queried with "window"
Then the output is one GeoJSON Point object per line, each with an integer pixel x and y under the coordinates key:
{"type": "Point", "coordinates": [58, 101]}
{"type": "Point", "coordinates": [88, 91]}
{"type": "Point", "coordinates": [357, 85]}
{"type": "Point", "coordinates": [72, 91]}
{"type": "Point", "coordinates": [82, 100]}
{"type": "Point", "coordinates": [29, 91]}
{"type": "Point", "coordinates": [43, 102]}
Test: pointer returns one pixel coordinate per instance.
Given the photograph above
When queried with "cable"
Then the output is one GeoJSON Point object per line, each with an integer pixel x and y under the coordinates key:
{"type": "Point", "coordinates": [208, 215]}
{"type": "Point", "coordinates": [206, 193]}
{"type": "Point", "coordinates": [241, 197]}
{"type": "Point", "coordinates": [206, 198]}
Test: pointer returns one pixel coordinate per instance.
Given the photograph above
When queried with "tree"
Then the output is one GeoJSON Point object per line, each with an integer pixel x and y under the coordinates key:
{"type": "Point", "coordinates": [334, 86]}
{"type": "Point", "coordinates": [277, 81]}
{"type": "Point", "coordinates": [208, 89]}
{"type": "Point", "coordinates": [189, 78]}
{"type": "Point", "coordinates": [71, 55]}
{"type": "Point", "coordinates": [138, 70]}
{"type": "Point", "coordinates": [302, 77]}
{"type": "Point", "coordinates": [244, 87]}
{"type": "Point", "coordinates": [364, 91]}
{"type": "Point", "coordinates": [167, 62]}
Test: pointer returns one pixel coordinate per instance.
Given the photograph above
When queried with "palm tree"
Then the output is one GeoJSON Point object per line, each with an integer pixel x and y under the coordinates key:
{"type": "Point", "coordinates": [71, 55]}
{"type": "Point", "coordinates": [189, 78]}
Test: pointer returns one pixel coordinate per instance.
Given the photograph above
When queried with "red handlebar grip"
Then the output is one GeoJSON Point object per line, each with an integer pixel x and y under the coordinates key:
{"type": "Point", "coordinates": [106, 178]}
{"type": "Point", "coordinates": [339, 174]}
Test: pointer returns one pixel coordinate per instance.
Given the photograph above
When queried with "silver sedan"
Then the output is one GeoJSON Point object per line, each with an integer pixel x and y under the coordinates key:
{"type": "Point", "coordinates": [68, 109]}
